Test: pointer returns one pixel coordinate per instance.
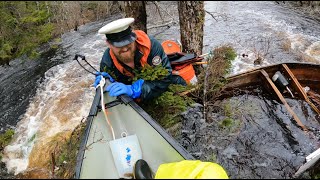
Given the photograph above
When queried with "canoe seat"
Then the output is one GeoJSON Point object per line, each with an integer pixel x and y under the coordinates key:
{"type": "Point", "coordinates": [141, 170]}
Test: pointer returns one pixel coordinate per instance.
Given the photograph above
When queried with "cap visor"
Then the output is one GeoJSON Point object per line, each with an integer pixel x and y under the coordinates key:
{"type": "Point", "coordinates": [126, 40]}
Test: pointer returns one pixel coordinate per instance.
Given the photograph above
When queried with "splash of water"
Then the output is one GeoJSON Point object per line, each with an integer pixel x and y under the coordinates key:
{"type": "Point", "coordinates": [314, 50]}
{"type": "Point", "coordinates": [246, 25]}
{"type": "Point", "coordinates": [61, 102]}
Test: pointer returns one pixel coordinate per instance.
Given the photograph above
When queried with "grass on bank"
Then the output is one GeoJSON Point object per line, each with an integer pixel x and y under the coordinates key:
{"type": "Point", "coordinates": [5, 139]}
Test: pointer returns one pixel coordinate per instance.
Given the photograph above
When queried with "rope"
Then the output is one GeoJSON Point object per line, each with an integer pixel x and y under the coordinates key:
{"type": "Point", "coordinates": [101, 84]}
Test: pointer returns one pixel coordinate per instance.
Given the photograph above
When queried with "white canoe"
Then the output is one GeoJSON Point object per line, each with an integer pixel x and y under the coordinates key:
{"type": "Point", "coordinates": [97, 162]}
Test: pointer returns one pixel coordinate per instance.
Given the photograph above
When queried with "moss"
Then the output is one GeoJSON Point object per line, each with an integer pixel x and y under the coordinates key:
{"type": "Point", "coordinates": [57, 40]}
{"type": "Point", "coordinates": [34, 54]}
{"type": "Point", "coordinates": [316, 176]}
{"type": "Point", "coordinates": [6, 138]}
{"type": "Point", "coordinates": [226, 123]}
{"type": "Point", "coordinates": [227, 110]}
{"type": "Point", "coordinates": [230, 124]}
{"type": "Point", "coordinates": [54, 46]}
{"type": "Point", "coordinates": [212, 158]}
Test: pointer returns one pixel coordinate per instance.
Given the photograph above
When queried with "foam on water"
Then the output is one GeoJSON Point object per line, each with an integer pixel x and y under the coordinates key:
{"type": "Point", "coordinates": [314, 50]}
{"type": "Point", "coordinates": [61, 102]}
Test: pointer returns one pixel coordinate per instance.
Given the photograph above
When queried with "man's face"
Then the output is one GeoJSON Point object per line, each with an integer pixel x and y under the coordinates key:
{"type": "Point", "coordinates": [124, 54]}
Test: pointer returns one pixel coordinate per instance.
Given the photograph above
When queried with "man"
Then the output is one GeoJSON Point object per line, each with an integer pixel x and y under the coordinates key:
{"type": "Point", "coordinates": [128, 51]}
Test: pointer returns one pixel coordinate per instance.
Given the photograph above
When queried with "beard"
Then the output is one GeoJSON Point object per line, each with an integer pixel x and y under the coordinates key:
{"type": "Point", "coordinates": [127, 56]}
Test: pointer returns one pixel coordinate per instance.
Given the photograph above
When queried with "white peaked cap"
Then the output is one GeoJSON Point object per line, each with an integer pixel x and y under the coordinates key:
{"type": "Point", "coordinates": [116, 26]}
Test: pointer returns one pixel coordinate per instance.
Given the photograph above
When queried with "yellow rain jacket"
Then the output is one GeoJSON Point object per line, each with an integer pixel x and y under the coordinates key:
{"type": "Point", "coordinates": [191, 169]}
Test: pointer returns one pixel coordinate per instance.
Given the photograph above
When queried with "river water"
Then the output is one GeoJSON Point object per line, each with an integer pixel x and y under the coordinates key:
{"type": "Point", "coordinates": [52, 94]}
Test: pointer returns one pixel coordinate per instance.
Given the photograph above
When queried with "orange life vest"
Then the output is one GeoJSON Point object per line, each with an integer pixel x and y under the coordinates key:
{"type": "Point", "coordinates": [143, 44]}
{"type": "Point", "coordinates": [184, 69]}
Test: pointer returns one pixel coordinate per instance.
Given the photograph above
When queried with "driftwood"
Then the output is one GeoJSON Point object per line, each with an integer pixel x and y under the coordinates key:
{"type": "Point", "coordinates": [314, 158]}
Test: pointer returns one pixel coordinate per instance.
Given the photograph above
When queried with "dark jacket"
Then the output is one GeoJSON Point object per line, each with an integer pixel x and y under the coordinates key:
{"type": "Point", "coordinates": [150, 89]}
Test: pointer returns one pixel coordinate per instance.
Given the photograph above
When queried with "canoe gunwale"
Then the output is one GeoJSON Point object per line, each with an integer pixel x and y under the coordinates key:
{"type": "Point", "coordinates": [290, 64]}
{"type": "Point", "coordinates": [92, 114]}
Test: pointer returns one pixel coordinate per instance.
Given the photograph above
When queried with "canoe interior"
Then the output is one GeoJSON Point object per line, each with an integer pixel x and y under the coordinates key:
{"type": "Point", "coordinates": [307, 75]}
{"type": "Point", "coordinates": [98, 162]}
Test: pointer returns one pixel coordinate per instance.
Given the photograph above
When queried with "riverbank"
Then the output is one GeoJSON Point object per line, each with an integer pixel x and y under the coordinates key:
{"type": "Point", "coordinates": [312, 8]}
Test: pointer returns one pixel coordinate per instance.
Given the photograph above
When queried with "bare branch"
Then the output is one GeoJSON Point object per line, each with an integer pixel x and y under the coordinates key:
{"type": "Point", "coordinates": [223, 16]}
{"type": "Point", "coordinates": [160, 25]}
{"type": "Point", "coordinates": [158, 9]}
{"type": "Point", "coordinates": [211, 15]}
{"type": "Point", "coordinates": [93, 139]}
{"type": "Point", "coordinates": [53, 162]}
{"type": "Point", "coordinates": [155, 2]}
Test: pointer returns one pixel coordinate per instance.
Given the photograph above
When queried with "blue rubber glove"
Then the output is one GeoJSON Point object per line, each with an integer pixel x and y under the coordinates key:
{"type": "Point", "coordinates": [98, 78]}
{"type": "Point", "coordinates": [117, 88]}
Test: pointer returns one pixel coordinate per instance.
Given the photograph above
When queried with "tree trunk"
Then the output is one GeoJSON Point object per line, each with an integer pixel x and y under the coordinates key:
{"type": "Point", "coordinates": [191, 18]}
{"type": "Point", "coordinates": [136, 10]}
